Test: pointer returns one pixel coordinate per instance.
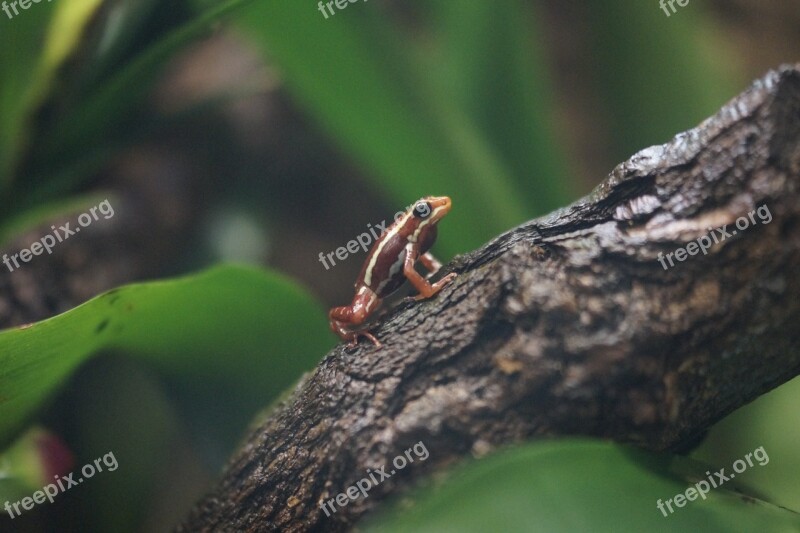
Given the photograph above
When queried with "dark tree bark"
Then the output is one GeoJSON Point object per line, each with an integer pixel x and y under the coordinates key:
{"type": "Point", "coordinates": [567, 325]}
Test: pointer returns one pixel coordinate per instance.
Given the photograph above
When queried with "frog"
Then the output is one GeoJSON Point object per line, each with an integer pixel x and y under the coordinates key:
{"type": "Point", "coordinates": [390, 262]}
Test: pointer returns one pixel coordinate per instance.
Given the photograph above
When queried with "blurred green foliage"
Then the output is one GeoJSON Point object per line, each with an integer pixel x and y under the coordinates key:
{"type": "Point", "coordinates": [492, 61]}
{"type": "Point", "coordinates": [59, 125]}
{"type": "Point", "coordinates": [362, 83]}
{"type": "Point", "coordinates": [579, 486]}
{"type": "Point", "coordinates": [771, 421]}
{"type": "Point", "coordinates": [458, 102]}
{"type": "Point", "coordinates": [657, 76]}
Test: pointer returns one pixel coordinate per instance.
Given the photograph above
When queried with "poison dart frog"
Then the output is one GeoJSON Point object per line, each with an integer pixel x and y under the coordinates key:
{"type": "Point", "coordinates": [390, 262]}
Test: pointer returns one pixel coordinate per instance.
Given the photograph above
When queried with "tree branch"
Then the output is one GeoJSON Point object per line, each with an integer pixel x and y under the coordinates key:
{"type": "Point", "coordinates": [566, 325]}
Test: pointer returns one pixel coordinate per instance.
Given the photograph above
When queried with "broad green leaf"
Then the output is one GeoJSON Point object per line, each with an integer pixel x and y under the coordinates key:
{"type": "Point", "coordinates": [578, 486]}
{"type": "Point", "coordinates": [354, 73]}
{"type": "Point", "coordinates": [232, 330]}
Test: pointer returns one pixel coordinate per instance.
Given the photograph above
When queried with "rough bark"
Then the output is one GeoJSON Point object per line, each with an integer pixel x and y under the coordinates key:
{"type": "Point", "coordinates": [566, 325]}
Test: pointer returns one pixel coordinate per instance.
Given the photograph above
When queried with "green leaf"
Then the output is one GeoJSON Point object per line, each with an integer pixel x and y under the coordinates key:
{"type": "Point", "coordinates": [355, 74]}
{"type": "Point", "coordinates": [577, 486]}
{"type": "Point", "coordinates": [234, 331]}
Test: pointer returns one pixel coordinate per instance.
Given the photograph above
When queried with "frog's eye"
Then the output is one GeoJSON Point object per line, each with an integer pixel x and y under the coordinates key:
{"type": "Point", "coordinates": [422, 210]}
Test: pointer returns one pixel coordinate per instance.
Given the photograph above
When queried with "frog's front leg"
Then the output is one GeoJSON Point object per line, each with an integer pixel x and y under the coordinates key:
{"type": "Point", "coordinates": [430, 263]}
{"type": "Point", "coordinates": [425, 288]}
{"type": "Point", "coordinates": [345, 317]}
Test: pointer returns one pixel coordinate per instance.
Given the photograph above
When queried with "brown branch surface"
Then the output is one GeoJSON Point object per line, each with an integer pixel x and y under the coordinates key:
{"type": "Point", "coordinates": [566, 325]}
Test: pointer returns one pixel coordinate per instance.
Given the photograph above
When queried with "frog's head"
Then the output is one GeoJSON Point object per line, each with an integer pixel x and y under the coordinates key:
{"type": "Point", "coordinates": [431, 209]}
{"type": "Point", "coordinates": [424, 215]}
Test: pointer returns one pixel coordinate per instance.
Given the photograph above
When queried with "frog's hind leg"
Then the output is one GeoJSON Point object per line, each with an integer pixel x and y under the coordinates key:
{"type": "Point", "coordinates": [342, 319]}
